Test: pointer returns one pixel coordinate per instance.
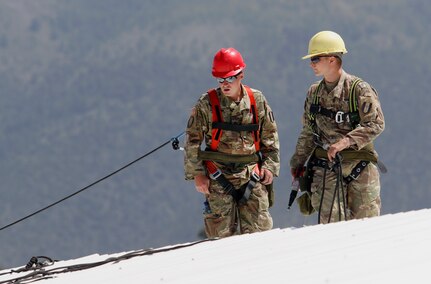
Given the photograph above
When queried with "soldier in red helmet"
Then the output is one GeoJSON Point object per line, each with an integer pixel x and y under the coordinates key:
{"type": "Point", "coordinates": [235, 170]}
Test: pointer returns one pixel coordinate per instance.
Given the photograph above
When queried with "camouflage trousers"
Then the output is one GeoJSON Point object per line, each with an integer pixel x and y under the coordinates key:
{"type": "Point", "coordinates": [226, 217]}
{"type": "Point", "coordinates": [362, 195]}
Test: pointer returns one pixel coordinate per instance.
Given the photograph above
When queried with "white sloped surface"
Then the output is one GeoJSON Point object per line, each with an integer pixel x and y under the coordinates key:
{"type": "Point", "coordinates": [387, 249]}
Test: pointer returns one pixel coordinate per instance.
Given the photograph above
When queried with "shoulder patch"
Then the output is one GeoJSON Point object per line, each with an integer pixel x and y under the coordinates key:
{"type": "Point", "coordinates": [271, 116]}
{"type": "Point", "coordinates": [366, 107]}
{"type": "Point", "coordinates": [191, 120]}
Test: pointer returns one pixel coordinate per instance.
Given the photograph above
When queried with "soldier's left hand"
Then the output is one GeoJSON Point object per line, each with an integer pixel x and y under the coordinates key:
{"type": "Point", "coordinates": [338, 147]}
{"type": "Point", "coordinates": [266, 177]}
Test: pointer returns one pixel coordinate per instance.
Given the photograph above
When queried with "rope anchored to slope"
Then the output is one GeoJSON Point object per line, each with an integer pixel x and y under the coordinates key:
{"type": "Point", "coordinates": [40, 272]}
{"type": "Point", "coordinates": [175, 145]}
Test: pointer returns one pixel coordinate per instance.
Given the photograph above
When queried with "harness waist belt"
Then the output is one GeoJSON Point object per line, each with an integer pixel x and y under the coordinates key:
{"type": "Point", "coordinates": [348, 155]}
{"type": "Point", "coordinates": [228, 158]}
{"type": "Point", "coordinates": [356, 171]}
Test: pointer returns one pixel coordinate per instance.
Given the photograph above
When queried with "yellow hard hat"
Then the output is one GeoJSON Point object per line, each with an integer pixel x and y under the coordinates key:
{"type": "Point", "coordinates": [325, 42]}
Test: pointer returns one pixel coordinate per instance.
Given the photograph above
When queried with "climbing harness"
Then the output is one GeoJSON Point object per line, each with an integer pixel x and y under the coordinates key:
{"type": "Point", "coordinates": [351, 117]}
{"type": "Point", "coordinates": [218, 125]}
{"type": "Point", "coordinates": [319, 156]}
{"type": "Point", "coordinates": [242, 194]}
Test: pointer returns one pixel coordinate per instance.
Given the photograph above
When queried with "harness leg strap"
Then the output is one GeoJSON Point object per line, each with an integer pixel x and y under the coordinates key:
{"type": "Point", "coordinates": [356, 171]}
{"type": "Point", "coordinates": [255, 178]}
{"type": "Point", "coordinates": [240, 196]}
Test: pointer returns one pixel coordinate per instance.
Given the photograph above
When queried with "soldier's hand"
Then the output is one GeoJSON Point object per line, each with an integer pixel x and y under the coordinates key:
{"type": "Point", "coordinates": [338, 147]}
{"type": "Point", "coordinates": [202, 184]}
{"type": "Point", "coordinates": [297, 172]}
{"type": "Point", "coordinates": [266, 176]}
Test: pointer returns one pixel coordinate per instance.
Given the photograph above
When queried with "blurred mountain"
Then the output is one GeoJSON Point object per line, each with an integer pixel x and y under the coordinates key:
{"type": "Point", "coordinates": [90, 85]}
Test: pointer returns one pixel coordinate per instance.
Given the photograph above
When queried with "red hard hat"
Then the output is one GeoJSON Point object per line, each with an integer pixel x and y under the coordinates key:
{"type": "Point", "coordinates": [227, 62]}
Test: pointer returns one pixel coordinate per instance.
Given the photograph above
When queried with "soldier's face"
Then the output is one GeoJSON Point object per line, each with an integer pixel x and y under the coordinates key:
{"type": "Point", "coordinates": [233, 89]}
{"type": "Point", "coordinates": [321, 65]}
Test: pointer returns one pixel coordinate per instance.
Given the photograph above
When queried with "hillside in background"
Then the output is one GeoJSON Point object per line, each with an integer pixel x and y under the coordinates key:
{"type": "Point", "coordinates": [88, 86]}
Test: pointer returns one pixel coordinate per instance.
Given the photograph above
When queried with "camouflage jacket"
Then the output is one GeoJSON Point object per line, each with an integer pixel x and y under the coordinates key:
{"type": "Point", "coordinates": [372, 121]}
{"type": "Point", "coordinates": [199, 128]}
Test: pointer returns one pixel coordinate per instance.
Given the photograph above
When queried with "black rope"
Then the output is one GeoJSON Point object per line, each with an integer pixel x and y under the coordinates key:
{"type": "Point", "coordinates": [338, 171]}
{"type": "Point", "coordinates": [323, 194]}
{"type": "Point", "coordinates": [39, 273]}
{"type": "Point", "coordinates": [343, 194]}
{"type": "Point", "coordinates": [94, 183]}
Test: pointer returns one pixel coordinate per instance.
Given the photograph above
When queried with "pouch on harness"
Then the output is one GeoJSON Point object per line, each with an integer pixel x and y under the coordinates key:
{"type": "Point", "coordinates": [242, 194]}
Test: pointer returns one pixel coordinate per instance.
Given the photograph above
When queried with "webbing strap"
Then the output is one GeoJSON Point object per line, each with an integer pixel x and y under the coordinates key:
{"type": "Point", "coordinates": [352, 116]}
{"type": "Point", "coordinates": [338, 116]}
{"type": "Point", "coordinates": [353, 104]}
{"type": "Point", "coordinates": [240, 195]}
{"type": "Point", "coordinates": [255, 178]}
{"type": "Point", "coordinates": [348, 155]}
{"type": "Point", "coordinates": [356, 171]}
{"type": "Point", "coordinates": [217, 175]}
{"type": "Point", "coordinates": [253, 110]}
{"type": "Point", "coordinates": [354, 174]}
{"type": "Point", "coordinates": [315, 102]}
{"type": "Point", "coordinates": [216, 117]}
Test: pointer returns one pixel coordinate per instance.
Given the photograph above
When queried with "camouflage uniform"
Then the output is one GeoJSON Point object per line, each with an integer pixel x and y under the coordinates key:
{"type": "Point", "coordinates": [222, 220]}
{"type": "Point", "coordinates": [362, 194]}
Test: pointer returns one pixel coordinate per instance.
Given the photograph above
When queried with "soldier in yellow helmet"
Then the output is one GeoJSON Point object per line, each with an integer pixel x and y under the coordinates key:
{"type": "Point", "coordinates": [241, 157]}
{"type": "Point", "coordinates": [334, 154]}
{"type": "Point", "coordinates": [325, 43]}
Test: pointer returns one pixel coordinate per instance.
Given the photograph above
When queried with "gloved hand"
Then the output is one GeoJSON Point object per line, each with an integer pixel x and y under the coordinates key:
{"type": "Point", "coordinates": [297, 172]}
